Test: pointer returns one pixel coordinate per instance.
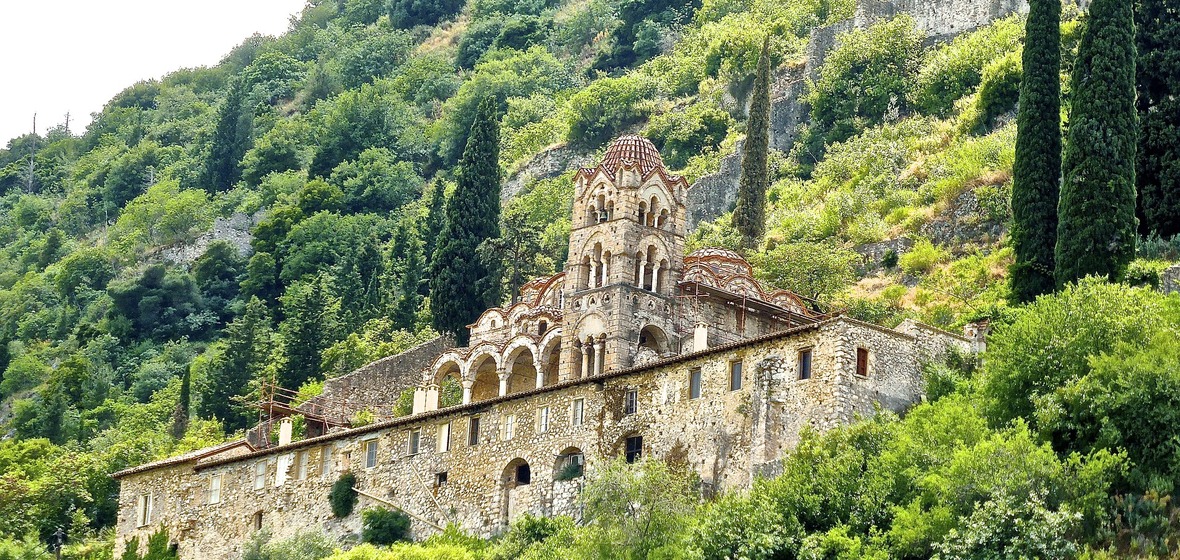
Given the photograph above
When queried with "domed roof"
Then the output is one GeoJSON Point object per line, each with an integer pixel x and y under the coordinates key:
{"type": "Point", "coordinates": [634, 150]}
{"type": "Point", "coordinates": [720, 260]}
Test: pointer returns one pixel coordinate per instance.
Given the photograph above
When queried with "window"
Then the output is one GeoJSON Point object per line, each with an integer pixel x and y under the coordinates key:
{"type": "Point", "coordinates": [862, 362]}
{"type": "Point", "coordinates": [301, 465]}
{"type": "Point", "coordinates": [215, 489]}
{"type": "Point", "coordinates": [444, 437]}
{"type": "Point", "coordinates": [543, 420]}
{"type": "Point", "coordinates": [145, 510]}
{"type": "Point", "coordinates": [258, 521]}
{"type": "Point", "coordinates": [634, 450]}
{"type": "Point", "coordinates": [631, 401]}
{"type": "Point", "coordinates": [473, 431]}
{"type": "Point", "coordinates": [694, 383]}
{"type": "Point", "coordinates": [325, 461]}
{"type": "Point", "coordinates": [281, 470]}
{"type": "Point", "coordinates": [579, 412]}
{"type": "Point", "coordinates": [805, 363]}
{"type": "Point", "coordinates": [370, 453]}
{"type": "Point", "coordinates": [259, 475]}
{"type": "Point", "coordinates": [509, 426]}
{"type": "Point", "coordinates": [735, 375]}
{"type": "Point", "coordinates": [440, 479]}
{"type": "Point", "coordinates": [524, 475]}
{"type": "Point", "coordinates": [542, 327]}
{"type": "Point", "coordinates": [415, 439]}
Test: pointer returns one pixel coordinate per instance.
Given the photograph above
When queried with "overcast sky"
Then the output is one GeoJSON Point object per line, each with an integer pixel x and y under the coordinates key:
{"type": "Point", "coordinates": [74, 55]}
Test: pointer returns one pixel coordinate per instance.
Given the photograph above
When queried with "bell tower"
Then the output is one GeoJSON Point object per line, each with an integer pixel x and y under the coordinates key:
{"type": "Point", "coordinates": [626, 256]}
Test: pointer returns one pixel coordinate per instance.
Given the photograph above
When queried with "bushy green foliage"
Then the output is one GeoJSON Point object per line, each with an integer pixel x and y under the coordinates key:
{"type": "Point", "coordinates": [922, 257]}
{"type": "Point", "coordinates": [817, 270]}
{"type": "Point", "coordinates": [381, 526]}
{"type": "Point", "coordinates": [862, 81]}
{"type": "Point", "coordinates": [303, 546]}
{"type": "Point", "coordinates": [957, 68]}
{"type": "Point", "coordinates": [343, 497]}
{"type": "Point", "coordinates": [606, 108]}
{"type": "Point", "coordinates": [682, 134]}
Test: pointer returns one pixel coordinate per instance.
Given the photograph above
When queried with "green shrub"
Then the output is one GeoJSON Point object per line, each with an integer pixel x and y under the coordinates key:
{"type": "Point", "coordinates": [682, 134]}
{"type": "Point", "coordinates": [954, 70]}
{"type": "Point", "coordinates": [889, 261]}
{"type": "Point", "coordinates": [922, 257]}
{"type": "Point", "coordinates": [607, 107]}
{"type": "Point", "coordinates": [383, 527]}
{"type": "Point", "coordinates": [343, 497]}
{"type": "Point", "coordinates": [998, 93]}
{"type": "Point", "coordinates": [1144, 272]}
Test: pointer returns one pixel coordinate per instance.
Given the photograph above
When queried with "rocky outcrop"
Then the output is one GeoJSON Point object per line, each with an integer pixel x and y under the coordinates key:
{"type": "Point", "coordinates": [549, 163]}
{"type": "Point", "coordinates": [963, 226]}
{"type": "Point", "coordinates": [235, 230]}
{"type": "Point", "coordinates": [940, 20]}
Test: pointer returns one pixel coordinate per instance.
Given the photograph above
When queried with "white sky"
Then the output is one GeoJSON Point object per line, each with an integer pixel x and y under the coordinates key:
{"type": "Point", "coordinates": [74, 55]}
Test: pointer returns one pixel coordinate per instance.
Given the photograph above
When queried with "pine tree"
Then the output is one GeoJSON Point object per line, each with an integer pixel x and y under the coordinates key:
{"type": "Point", "coordinates": [1096, 232]}
{"type": "Point", "coordinates": [436, 219]}
{"type": "Point", "coordinates": [1036, 173]}
{"type": "Point", "coordinates": [311, 325]}
{"type": "Point", "coordinates": [1158, 32]}
{"type": "Point", "coordinates": [461, 283]}
{"type": "Point", "coordinates": [749, 216]}
{"type": "Point", "coordinates": [247, 347]}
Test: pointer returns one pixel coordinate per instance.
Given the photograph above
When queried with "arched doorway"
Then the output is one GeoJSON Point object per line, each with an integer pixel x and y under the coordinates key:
{"type": "Point", "coordinates": [516, 482]}
{"type": "Point", "coordinates": [570, 464]}
{"type": "Point", "coordinates": [522, 371]}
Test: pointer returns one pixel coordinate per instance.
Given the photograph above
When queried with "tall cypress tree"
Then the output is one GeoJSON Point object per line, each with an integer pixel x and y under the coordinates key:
{"type": "Point", "coordinates": [406, 309]}
{"type": "Point", "coordinates": [1158, 173]}
{"type": "Point", "coordinates": [311, 325]}
{"type": "Point", "coordinates": [247, 349]}
{"type": "Point", "coordinates": [230, 141]}
{"type": "Point", "coordinates": [461, 283]}
{"type": "Point", "coordinates": [1096, 232]}
{"type": "Point", "coordinates": [180, 415]}
{"type": "Point", "coordinates": [749, 216]}
{"type": "Point", "coordinates": [1036, 173]}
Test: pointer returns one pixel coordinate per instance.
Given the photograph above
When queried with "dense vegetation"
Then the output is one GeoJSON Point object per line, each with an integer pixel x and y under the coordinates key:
{"type": "Point", "coordinates": [343, 144]}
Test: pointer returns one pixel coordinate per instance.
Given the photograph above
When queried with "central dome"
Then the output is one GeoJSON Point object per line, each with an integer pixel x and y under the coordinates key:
{"type": "Point", "coordinates": [632, 150]}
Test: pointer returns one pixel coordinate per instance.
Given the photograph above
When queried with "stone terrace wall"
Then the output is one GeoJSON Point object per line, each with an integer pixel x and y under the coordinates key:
{"type": "Point", "coordinates": [726, 436]}
{"type": "Point", "coordinates": [1170, 280]}
{"type": "Point", "coordinates": [380, 383]}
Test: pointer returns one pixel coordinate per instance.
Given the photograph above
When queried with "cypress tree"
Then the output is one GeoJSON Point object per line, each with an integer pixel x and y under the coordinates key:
{"type": "Point", "coordinates": [406, 310]}
{"type": "Point", "coordinates": [230, 140]}
{"type": "Point", "coordinates": [749, 216]}
{"type": "Point", "coordinates": [311, 326]}
{"type": "Point", "coordinates": [436, 219]}
{"type": "Point", "coordinates": [180, 415]}
{"type": "Point", "coordinates": [461, 285]}
{"type": "Point", "coordinates": [246, 352]}
{"type": "Point", "coordinates": [1036, 173]}
{"type": "Point", "coordinates": [1096, 231]}
{"type": "Point", "coordinates": [1158, 173]}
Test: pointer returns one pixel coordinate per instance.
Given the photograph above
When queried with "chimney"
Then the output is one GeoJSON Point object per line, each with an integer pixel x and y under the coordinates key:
{"type": "Point", "coordinates": [977, 332]}
{"type": "Point", "coordinates": [285, 431]}
{"type": "Point", "coordinates": [700, 337]}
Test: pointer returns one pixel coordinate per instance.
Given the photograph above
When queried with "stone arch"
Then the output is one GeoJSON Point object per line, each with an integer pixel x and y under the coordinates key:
{"type": "Point", "coordinates": [569, 464]}
{"type": "Point", "coordinates": [516, 488]}
{"type": "Point", "coordinates": [483, 369]}
{"type": "Point", "coordinates": [654, 338]}
{"type": "Point", "coordinates": [550, 357]}
{"type": "Point", "coordinates": [520, 362]}
{"type": "Point", "coordinates": [442, 366]}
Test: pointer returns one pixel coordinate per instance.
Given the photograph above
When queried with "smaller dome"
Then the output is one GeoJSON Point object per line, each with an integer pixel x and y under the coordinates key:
{"type": "Point", "coordinates": [720, 260]}
{"type": "Point", "coordinates": [633, 150]}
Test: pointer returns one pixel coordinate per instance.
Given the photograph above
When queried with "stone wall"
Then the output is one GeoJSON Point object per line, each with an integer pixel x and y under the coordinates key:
{"type": "Point", "coordinates": [1170, 280]}
{"type": "Point", "coordinates": [726, 436]}
{"type": "Point", "coordinates": [549, 163]}
{"type": "Point", "coordinates": [378, 384]}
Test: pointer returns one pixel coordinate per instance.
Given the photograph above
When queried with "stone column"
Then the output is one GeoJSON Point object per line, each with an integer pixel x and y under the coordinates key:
{"type": "Point", "coordinates": [467, 383]}
{"type": "Point", "coordinates": [503, 375]}
{"type": "Point", "coordinates": [642, 271]}
{"type": "Point", "coordinates": [655, 277]}
{"type": "Point", "coordinates": [540, 374]}
{"type": "Point", "coordinates": [598, 357]}
{"type": "Point", "coordinates": [585, 349]}
{"type": "Point", "coordinates": [593, 275]}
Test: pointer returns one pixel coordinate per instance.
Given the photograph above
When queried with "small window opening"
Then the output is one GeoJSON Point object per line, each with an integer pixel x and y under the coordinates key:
{"type": "Point", "coordinates": [634, 449]}
{"type": "Point", "coordinates": [523, 474]}
{"type": "Point", "coordinates": [258, 521]}
{"type": "Point", "coordinates": [440, 479]}
{"type": "Point", "coordinates": [631, 402]}
{"type": "Point", "coordinates": [862, 362]}
{"type": "Point", "coordinates": [735, 375]}
{"type": "Point", "coordinates": [805, 363]}
{"type": "Point", "coordinates": [473, 432]}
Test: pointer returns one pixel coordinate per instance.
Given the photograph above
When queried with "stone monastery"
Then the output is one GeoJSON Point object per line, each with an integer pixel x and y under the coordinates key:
{"type": "Point", "coordinates": [635, 350]}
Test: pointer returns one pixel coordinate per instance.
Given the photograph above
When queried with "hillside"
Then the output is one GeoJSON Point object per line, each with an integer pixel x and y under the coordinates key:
{"type": "Point", "coordinates": [273, 218]}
